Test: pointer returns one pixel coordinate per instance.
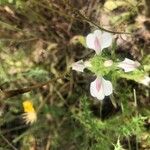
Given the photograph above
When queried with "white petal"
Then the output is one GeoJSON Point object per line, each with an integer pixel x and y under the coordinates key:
{"type": "Point", "coordinates": [90, 41]}
{"type": "Point", "coordinates": [131, 62]}
{"type": "Point", "coordinates": [107, 87]}
{"type": "Point", "coordinates": [100, 95]}
{"type": "Point", "coordinates": [106, 40]}
{"type": "Point", "coordinates": [93, 90]}
{"type": "Point", "coordinates": [127, 68]}
{"type": "Point", "coordinates": [96, 88]}
{"type": "Point", "coordinates": [128, 65]}
{"type": "Point", "coordinates": [78, 66]}
{"type": "Point", "coordinates": [98, 33]}
{"type": "Point", "coordinates": [93, 41]}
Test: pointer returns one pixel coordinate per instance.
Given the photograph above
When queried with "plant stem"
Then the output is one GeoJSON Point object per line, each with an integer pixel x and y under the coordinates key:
{"type": "Point", "coordinates": [129, 144]}
{"type": "Point", "coordinates": [5, 94]}
{"type": "Point", "coordinates": [135, 101]}
{"type": "Point", "coordinates": [100, 109]}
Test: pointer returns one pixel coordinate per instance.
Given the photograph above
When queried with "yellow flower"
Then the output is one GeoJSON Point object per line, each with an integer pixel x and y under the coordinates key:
{"type": "Point", "coordinates": [28, 106]}
{"type": "Point", "coordinates": [29, 115]}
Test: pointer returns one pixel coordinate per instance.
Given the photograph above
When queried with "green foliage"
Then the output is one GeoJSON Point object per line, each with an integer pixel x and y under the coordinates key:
{"type": "Point", "coordinates": [104, 133]}
{"type": "Point", "coordinates": [17, 3]}
{"type": "Point", "coordinates": [98, 67]}
{"type": "Point", "coordinates": [38, 74]}
{"type": "Point", "coordinates": [118, 146]}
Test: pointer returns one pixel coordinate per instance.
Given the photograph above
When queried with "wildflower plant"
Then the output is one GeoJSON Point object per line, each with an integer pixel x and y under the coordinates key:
{"type": "Point", "coordinates": [105, 68]}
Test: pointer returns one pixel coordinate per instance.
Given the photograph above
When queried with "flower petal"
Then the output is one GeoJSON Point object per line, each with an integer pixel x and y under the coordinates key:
{"type": "Point", "coordinates": [106, 40]}
{"type": "Point", "coordinates": [129, 65]}
{"type": "Point", "coordinates": [94, 40]}
{"type": "Point", "coordinates": [90, 41]}
{"type": "Point", "coordinates": [97, 89]}
{"type": "Point", "coordinates": [97, 41]}
{"type": "Point", "coordinates": [93, 89]}
{"type": "Point", "coordinates": [98, 33]}
{"type": "Point", "coordinates": [78, 66]}
{"type": "Point", "coordinates": [107, 87]}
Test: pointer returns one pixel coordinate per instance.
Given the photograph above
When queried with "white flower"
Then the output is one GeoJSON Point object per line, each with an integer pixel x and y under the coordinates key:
{"type": "Point", "coordinates": [145, 80]}
{"type": "Point", "coordinates": [108, 63]}
{"type": "Point", "coordinates": [98, 40]}
{"type": "Point", "coordinates": [80, 65]}
{"type": "Point", "coordinates": [129, 65]}
{"type": "Point", "coordinates": [100, 88]}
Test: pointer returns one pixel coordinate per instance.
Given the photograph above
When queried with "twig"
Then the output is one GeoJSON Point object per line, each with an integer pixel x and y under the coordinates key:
{"type": "Point", "coordinates": [19, 40]}
{"type": "Point", "coordinates": [77, 12]}
{"type": "Point", "coordinates": [4, 94]}
{"type": "Point", "coordinates": [14, 148]}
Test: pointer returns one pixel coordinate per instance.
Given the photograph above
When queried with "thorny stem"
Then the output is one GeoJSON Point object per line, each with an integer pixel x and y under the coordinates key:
{"type": "Point", "coordinates": [79, 14]}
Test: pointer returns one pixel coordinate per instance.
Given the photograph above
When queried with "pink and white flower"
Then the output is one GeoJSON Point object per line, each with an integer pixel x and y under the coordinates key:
{"type": "Point", "coordinates": [100, 88]}
{"type": "Point", "coordinates": [98, 40]}
{"type": "Point", "coordinates": [129, 65]}
{"type": "Point", "coordinates": [80, 65]}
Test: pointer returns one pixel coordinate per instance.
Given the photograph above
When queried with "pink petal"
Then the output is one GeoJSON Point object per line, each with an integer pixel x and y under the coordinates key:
{"type": "Point", "coordinates": [93, 41]}
{"type": "Point", "coordinates": [97, 44]}
{"type": "Point", "coordinates": [98, 84]}
{"type": "Point", "coordinates": [100, 88]}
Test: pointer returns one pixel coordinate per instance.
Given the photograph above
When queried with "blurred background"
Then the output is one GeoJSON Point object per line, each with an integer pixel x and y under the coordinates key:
{"type": "Point", "coordinates": [39, 40]}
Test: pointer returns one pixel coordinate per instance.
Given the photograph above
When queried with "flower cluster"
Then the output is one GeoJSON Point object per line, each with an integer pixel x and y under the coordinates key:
{"type": "Point", "coordinates": [98, 41]}
{"type": "Point", "coordinates": [29, 115]}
